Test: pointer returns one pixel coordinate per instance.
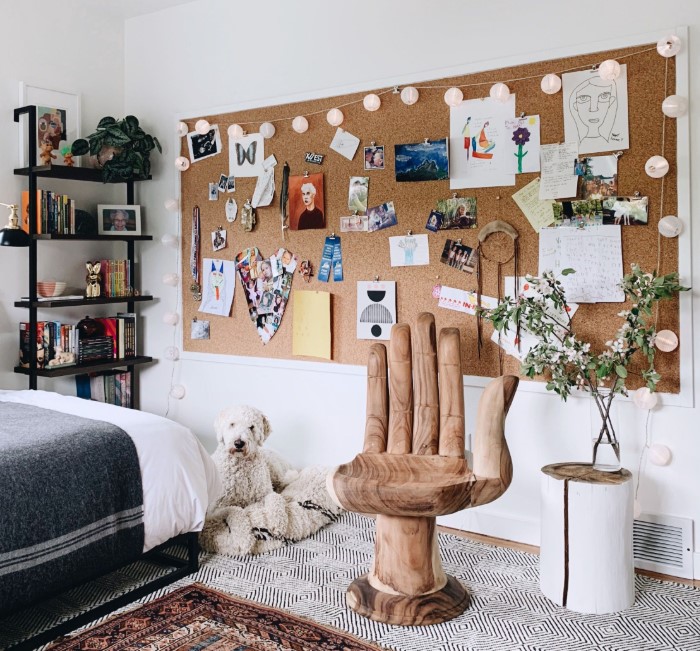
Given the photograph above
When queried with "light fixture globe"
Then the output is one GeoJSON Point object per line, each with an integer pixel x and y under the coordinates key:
{"type": "Point", "coordinates": [500, 92]}
{"type": "Point", "coordinates": [656, 167]}
{"type": "Point", "coordinates": [178, 392]}
{"type": "Point", "coordinates": [645, 399]}
{"type": "Point", "coordinates": [171, 353]}
{"type": "Point", "coordinates": [235, 131]}
{"type": "Point", "coordinates": [659, 454]}
{"type": "Point", "coordinates": [182, 163]}
{"type": "Point", "coordinates": [202, 127]}
{"type": "Point", "coordinates": [171, 205]}
{"type": "Point", "coordinates": [170, 279]}
{"type": "Point", "coordinates": [453, 96]}
{"type": "Point", "coordinates": [267, 130]}
{"type": "Point", "coordinates": [171, 318]}
{"type": "Point", "coordinates": [409, 95]}
{"type": "Point", "coordinates": [181, 129]}
{"type": "Point", "coordinates": [609, 70]}
{"type": "Point", "coordinates": [670, 226]}
{"type": "Point", "coordinates": [666, 341]}
{"type": "Point", "coordinates": [669, 46]}
{"type": "Point", "coordinates": [551, 84]}
{"type": "Point", "coordinates": [300, 124]}
{"type": "Point", "coordinates": [169, 240]}
{"type": "Point", "coordinates": [371, 102]}
{"type": "Point", "coordinates": [335, 117]}
{"type": "Point", "coordinates": [674, 106]}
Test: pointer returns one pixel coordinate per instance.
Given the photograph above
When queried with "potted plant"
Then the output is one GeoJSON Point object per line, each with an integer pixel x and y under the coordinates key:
{"type": "Point", "coordinates": [121, 148]}
{"type": "Point", "coordinates": [569, 363]}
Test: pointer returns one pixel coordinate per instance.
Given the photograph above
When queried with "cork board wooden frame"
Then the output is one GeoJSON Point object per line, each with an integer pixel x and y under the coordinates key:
{"type": "Point", "coordinates": [367, 255]}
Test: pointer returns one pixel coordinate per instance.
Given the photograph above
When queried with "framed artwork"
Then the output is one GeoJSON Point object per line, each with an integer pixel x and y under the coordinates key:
{"type": "Point", "coordinates": [118, 220]}
{"type": "Point", "coordinates": [57, 124]}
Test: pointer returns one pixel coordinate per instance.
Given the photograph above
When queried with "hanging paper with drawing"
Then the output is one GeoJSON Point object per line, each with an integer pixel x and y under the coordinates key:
{"type": "Point", "coordinates": [461, 300]}
{"type": "Point", "coordinates": [409, 250]}
{"type": "Point", "coordinates": [595, 111]}
{"type": "Point", "coordinates": [376, 309]}
{"type": "Point", "coordinates": [523, 144]}
{"type": "Point", "coordinates": [345, 143]}
{"type": "Point", "coordinates": [246, 155]}
{"type": "Point", "coordinates": [218, 287]}
{"type": "Point", "coordinates": [479, 150]}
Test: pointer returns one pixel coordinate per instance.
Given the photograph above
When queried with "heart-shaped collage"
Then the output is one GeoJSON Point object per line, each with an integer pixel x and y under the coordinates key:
{"type": "Point", "coordinates": [267, 283]}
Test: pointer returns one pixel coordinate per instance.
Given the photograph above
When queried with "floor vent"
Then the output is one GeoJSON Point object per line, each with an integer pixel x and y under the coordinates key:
{"type": "Point", "coordinates": [664, 544]}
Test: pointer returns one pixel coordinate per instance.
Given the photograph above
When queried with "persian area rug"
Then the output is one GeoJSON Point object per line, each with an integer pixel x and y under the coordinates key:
{"type": "Point", "coordinates": [196, 618]}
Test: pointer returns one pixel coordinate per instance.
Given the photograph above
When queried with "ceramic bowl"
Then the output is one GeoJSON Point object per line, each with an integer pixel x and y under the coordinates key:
{"type": "Point", "coordinates": [50, 288]}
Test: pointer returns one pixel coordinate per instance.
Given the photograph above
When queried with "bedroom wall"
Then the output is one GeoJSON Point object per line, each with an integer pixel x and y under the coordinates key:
{"type": "Point", "coordinates": [76, 50]}
{"type": "Point", "coordinates": [212, 53]}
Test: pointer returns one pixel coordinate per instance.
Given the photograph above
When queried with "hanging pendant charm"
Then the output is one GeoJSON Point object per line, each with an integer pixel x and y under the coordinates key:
{"type": "Point", "coordinates": [196, 290]}
{"type": "Point", "coordinates": [231, 210]}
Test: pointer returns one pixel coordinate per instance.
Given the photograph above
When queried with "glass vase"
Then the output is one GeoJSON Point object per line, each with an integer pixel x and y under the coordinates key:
{"type": "Point", "coordinates": [606, 446]}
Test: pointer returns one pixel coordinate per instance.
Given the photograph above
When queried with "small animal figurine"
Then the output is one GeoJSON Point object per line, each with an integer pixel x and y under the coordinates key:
{"type": "Point", "coordinates": [67, 156]}
{"type": "Point", "coordinates": [93, 279]}
{"type": "Point", "coordinates": [46, 153]}
{"type": "Point", "coordinates": [306, 270]}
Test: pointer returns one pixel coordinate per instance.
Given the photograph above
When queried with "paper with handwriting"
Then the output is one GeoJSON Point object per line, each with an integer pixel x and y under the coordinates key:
{"type": "Point", "coordinates": [557, 177]}
{"type": "Point", "coordinates": [538, 212]}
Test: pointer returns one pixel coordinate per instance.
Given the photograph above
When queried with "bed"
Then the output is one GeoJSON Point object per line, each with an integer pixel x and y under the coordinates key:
{"type": "Point", "coordinates": [86, 487]}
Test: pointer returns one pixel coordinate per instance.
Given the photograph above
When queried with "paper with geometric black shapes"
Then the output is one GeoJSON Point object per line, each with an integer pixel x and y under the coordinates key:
{"type": "Point", "coordinates": [376, 309]}
{"type": "Point", "coordinates": [246, 155]}
{"type": "Point", "coordinates": [266, 284]}
{"type": "Point", "coordinates": [218, 286]}
{"type": "Point", "coordinates": [203, 146]}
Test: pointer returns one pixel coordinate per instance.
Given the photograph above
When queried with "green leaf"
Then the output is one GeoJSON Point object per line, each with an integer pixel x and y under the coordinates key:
{"type": "Point", "coordinates": [106, 122]}
{"type": "Point", "coordinates": [80, 147]}
{"type": "Point", "coordinates": [568, 271]}
{"type": "Point", "coordinates": [621, 371]}
{"type": "Point", "coordinates": [117, 136]}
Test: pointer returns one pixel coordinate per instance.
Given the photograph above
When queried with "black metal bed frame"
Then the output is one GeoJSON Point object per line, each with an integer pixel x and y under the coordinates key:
{"type": "Point", "coordinates": [158, 555]}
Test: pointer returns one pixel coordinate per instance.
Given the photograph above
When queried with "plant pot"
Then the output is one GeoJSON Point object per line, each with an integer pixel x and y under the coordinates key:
{"type": "Point", "coordinates": [105, 154]}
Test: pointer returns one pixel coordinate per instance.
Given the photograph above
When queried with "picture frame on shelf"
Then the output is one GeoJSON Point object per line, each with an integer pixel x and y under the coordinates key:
{"type": "Point", "coordinates": [118, 220]}
{"type": "Point", "coordinates": [57, 123]}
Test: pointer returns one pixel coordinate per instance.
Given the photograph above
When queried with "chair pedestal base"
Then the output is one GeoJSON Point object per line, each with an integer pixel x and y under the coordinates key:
{"type": "Point", "coordinates": [401, 610]}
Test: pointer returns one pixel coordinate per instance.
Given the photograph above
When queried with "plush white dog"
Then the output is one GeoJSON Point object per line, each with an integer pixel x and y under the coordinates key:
{"type": "Point", "coordinates": [265, 502]}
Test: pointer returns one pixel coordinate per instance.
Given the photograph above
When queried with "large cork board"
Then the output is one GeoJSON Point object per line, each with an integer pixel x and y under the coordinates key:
{"type": "Point", "coordinates": [366, 255]}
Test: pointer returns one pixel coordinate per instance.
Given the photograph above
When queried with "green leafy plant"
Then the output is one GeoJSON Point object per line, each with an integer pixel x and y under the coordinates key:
{"type": "Point", "coordinates": [569, 363]}
{"type": "Point", "coordinates": [121, 147]}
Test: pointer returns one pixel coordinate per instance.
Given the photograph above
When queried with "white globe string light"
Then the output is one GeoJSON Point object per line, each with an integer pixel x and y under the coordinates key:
{"type": "Point", "coordinates": [645, 399]}
{"type": "Point", "coordinates": [371, 102]}
{"type": "Point", "coordinates": [171, 205]}
{"type": "Point", "coordinates": [170, 279]}
{"type": "Point", "coordinates": [656, 167]}
{"type": "Point", "coordinates": [670, 226]}
{"type": "Point", "coordinates": [659, 454]}
{"type": "Point", "coordinates": [202, 127]}
{"type": "Point", "coordinates": [666, 341]}
{"type": "Point", "coordinates": [181, 129]}
{"type": "Point", "coordinates": [500, 92]}
{"type": "Point", "coordinates": [335, 117]}
{"type": "Point", "coordinates": [169, 240]}
{"type": "Point", "coordinates": [609, 70]}
{"type": "Point", "coordinates": [235, 131]}
{"type": "Point", "coordinates": [669, 46]}
{"type": "Point", "coordinates": [178, 392]}
{"type": "Point", "coordinates": [409, 95]}
{"type": "Point", "coordinates": [674, 106]}
{"type": "Point", "coordinates": [300, 124]}
{"type": "Point", "coordinates": [171, 353]}
{"type": "Point", "coordinates": [453, 96]}
{"type": "Point", "coordinates": [267, 129]}
{"type": "Point", "coordinates": [182, 163]}
{"type": "Point", "coordinates": [551, 84]}
{"type": "Point", "coordinates": [171, 318]}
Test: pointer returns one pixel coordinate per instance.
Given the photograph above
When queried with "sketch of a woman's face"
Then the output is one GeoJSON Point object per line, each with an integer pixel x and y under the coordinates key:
{"type": "Point", "coordinates": [593, 105]}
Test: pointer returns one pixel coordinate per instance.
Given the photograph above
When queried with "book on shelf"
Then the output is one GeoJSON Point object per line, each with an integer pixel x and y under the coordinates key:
{"type": "Point", "coordinates": [52, 340]}
{"type": "Point", "coordinates": [117, 278]}
{"type": "Point", "coordinates": [55, 213]}
{"type": "Point", "coordinates": [113, 387]}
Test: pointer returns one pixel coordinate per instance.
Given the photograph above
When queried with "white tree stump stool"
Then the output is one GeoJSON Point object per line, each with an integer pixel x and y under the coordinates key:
{"type": "Point", "coordinates": [586, 553]}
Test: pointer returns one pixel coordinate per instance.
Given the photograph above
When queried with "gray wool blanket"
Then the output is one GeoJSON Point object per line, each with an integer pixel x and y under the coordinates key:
{"type": "Point", "coordinates": [71, 502]}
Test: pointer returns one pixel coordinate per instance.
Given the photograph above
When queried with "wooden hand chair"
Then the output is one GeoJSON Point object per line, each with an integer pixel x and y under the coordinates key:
{"type": "Point", "coordinates": [412, 469]}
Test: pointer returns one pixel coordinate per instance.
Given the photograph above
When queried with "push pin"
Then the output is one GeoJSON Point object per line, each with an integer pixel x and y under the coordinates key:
{"type": "Point", "coordinates": [410, 233]}
{"type": "Point", "coordinates": [522, 114]}
{"type": "Point", "coordinates": [396, 90]}
{"type": "Point", "coordinates": [376, 279]}
{"type": "Point", "coordinates": [425, 141]}
{"type": "Point", "coordinates": [306, 174]}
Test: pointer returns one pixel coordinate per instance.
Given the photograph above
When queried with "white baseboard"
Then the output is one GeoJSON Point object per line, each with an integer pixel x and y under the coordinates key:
{"type": "Point", "coordinates": [522, 530]}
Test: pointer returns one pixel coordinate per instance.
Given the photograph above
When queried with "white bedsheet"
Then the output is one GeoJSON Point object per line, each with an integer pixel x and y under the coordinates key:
{"type": "Point", "coordinates": [179, 477]}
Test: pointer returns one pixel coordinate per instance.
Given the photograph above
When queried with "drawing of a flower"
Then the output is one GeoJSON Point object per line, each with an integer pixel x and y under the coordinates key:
{"type": "Point", "coordinates": [521, 136]}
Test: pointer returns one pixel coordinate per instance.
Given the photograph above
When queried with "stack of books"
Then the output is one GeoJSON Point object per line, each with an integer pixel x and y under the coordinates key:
{"type": "Point", "coordinates": [51, 339]}
{"type": "Point", "coordinates": [117, 277]}
{"type": "Point", "coordinates": [55, 213]}
{"type": "Point", "coordinates": [113, 387]}
{"type": "Point", "coordinates": [94, 349]}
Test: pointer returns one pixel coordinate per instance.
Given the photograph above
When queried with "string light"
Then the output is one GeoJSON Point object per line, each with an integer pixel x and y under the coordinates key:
{"type": "Point", "coordinates": [300, 124]}
{"type": "Point", "coordinates": [171, 353]}
{"type": "Point", "coordinates": [202, 127]}
{"type": "Point", "coordinates": [609, 70]}
{"type": "Point", "coordinates": [170, 279]}
{"type": "Point", "coordinates": [551, 84]}
{"type": "Point", "coordinates": [181, 129]}
{"type": "Point", "coordinates": [178, 392]}
{"type": "Point", "coordinates": [409, 95]}
{"type": "Point", "coordinates": [666, 341]}
{"type": "Point", "coordinates": [674, 106]}
{"type": "Point", "coordinates": [171, 318]}
{"type": "Point", "coordinates": [235, 131]}
{"type": "Point", "coordinates": [453, 96]}
{"type": "Point", "coordinates": [267, 129]}
{"type": "Point", "coordinates": [182, 163]}
{"type": "Point", "coordinates": [371, 102]}
{"type": "Point", "coordinates": [670, 226]}
{"type": "Point", "coordinates": [659, 454]}
{"type": "Point", "coordinates": [645, 399]}
{"type": "Point", "coordinates": [335, 117]}
{"type": "Point", "coordinates": [669, 46]}
{"type": "Point", "coordinates": [169, 240]}
{"type": "Point", "coordinates": [656, 167]}
{"type": "Point", "coordinates": [500, 92]}
{"type": "Point", "coordinates": [171, 205]}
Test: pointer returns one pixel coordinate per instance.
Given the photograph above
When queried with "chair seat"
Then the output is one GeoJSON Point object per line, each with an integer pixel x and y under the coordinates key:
{"type": "Point", "coordinates": [408, 484]}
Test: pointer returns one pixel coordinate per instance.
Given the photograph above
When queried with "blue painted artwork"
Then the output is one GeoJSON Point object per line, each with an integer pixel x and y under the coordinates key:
{"type": "Point", "coordinates": [422, 161]}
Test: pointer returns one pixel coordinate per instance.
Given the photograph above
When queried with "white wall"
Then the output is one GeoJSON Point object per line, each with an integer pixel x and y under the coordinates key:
{"type": "Point", "coordinates": [75, 49]}
{"type": "Point", "coordinates": [213, 53]}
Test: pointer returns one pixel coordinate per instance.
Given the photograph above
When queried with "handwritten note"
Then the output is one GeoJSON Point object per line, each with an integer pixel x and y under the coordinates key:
{"type": "Point", "coordinates": [539, 213]}
{"type": "Point", "coordinates": [311, 335]}
{"type": "Point", "coordinates": [595, 253]}
{"type": "Point", "coordinates": [557, 163]}
{"type": "Point", "coordinates": [465, 301]}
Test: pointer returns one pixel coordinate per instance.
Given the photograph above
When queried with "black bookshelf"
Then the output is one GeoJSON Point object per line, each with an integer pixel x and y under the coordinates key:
{"type": "Point", "coordinates": [88, 238]}
{"type": "Point", "coordinates": [87, 367]}
{"type": "Point", "coordinates": [66, 173]}
{"type": "Point", "coordinates": [100, 300]}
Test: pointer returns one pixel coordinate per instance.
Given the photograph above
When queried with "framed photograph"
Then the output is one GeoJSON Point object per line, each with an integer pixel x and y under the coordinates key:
{"type": "Point", "coordinates": [118, 220]}
{"type": "Point", "coordinates": [57, 124]}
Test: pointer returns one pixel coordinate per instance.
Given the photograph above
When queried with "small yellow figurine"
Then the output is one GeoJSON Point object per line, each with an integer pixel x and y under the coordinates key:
{"type": "Point", "coordinates": [93, 279]}
{"type": "Point", "coordinates": [46, 153]}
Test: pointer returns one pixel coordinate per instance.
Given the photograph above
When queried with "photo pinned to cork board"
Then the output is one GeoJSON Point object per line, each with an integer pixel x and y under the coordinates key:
{"type": "Point", "coordinates": [306, 202]}
{"type": "Point", "coordinates": [202, 146]}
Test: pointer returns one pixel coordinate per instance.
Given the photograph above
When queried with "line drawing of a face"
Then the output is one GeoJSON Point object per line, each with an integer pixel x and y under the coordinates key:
{"type": "Point", "coordinates": [593, 105]}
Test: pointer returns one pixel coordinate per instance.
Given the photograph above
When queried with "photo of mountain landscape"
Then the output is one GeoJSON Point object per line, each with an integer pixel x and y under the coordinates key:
{"type": "Point", "coordinates": [423, 161]}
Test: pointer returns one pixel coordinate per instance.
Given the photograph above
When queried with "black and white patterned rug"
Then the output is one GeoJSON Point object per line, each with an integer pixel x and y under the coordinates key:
{"type": "Point", "coordinates": [507, 611]}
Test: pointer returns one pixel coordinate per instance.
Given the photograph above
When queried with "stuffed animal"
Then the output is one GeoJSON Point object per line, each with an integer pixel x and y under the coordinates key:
{"type": "Point", "coordinates": [265, 502]}
{"type": "Point", "coordinates": [46, 153]}
{"type": "Point", "coordinates": [93, 279]}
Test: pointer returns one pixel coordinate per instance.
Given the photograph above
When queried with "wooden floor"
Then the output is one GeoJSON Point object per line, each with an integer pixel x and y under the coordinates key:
{"type": "Point", "coordinates": [532, 549]}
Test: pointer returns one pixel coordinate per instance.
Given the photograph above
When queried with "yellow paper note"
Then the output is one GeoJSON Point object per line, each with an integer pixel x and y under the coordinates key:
{"type": "Point", "coordinates": [538, 212]}
{"type": "Point", "coordinates": [312, 324]}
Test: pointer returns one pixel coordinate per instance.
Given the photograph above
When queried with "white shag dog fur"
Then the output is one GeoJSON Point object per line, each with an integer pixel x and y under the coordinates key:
{"type": "Point", "coordinates": [265, 502]}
